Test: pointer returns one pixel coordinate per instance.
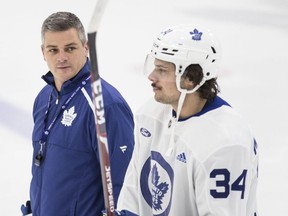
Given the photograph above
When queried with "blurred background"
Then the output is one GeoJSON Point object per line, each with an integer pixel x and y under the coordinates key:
{"type": "Point", "coordinates": [253, 75]}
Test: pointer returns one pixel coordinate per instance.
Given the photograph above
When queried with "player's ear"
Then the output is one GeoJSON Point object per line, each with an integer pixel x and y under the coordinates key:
{"type": "Point", "coordinates": [186, 83]}
{"type": "Point", "coordinates": [192, 76]}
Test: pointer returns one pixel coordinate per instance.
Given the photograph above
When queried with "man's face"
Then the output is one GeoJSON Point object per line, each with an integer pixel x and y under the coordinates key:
{"type": "Point", "coordinates": [65, 54]}
{"type": "Point", "coordinates": [164, 82]}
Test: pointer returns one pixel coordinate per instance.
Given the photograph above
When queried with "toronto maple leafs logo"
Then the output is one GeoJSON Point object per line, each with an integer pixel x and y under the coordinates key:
{"type": "Point", "coordinates": [68, 117]}
{"type": "Point", "coordinates": [196, 35]}
{"type": "Point", "coordinates": [159, 189]}
{"type": "Point", "coordinates": [156, 183]}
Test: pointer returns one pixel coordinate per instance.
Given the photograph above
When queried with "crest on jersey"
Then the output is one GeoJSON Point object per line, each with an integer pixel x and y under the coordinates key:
{"type": "Point", "coordinates": [159, 189]}
{"type": "Point", "coordinates": [157, 179]}
{"type": "Point", "coordinates": [68, 117]}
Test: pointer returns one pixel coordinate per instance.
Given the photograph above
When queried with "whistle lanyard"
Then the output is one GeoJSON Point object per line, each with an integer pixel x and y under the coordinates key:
{"type": "Point", "coordinates": [47, 131]}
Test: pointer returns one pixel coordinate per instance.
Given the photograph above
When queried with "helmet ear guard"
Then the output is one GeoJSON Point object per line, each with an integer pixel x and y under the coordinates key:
{"type": "Point", "coordinates": [184, 45]}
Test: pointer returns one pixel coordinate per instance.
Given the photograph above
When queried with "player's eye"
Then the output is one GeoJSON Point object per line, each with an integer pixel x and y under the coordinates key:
{"type": "Point", "coordinates": [161, 70]}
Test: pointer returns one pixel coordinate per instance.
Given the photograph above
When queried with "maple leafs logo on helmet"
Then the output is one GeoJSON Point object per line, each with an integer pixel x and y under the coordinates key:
{"type": "Point", "coordinates": [196, 35]}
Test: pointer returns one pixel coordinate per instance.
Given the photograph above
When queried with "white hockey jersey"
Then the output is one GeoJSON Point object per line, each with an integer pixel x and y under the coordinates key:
{"type": "Point", "coordinates": [210, 168]}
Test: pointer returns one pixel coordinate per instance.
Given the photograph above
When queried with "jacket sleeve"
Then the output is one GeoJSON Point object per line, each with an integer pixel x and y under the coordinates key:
{"type": "Point", "coordinates": [130, 196]}
{"type": "Point", "coordinates": [120, 133]}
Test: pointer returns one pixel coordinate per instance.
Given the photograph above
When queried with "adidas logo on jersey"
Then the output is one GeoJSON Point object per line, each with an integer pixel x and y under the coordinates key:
{"type": "Point", "coordinates": [181, 157]}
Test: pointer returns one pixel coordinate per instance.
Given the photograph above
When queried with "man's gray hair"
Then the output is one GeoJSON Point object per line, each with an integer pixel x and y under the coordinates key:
{"type": "Point", "coordinates": [62, 21]}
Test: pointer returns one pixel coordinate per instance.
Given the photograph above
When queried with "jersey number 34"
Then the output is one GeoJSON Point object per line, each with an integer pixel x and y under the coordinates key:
{"type": "Point", "coordinates": [223, 185]}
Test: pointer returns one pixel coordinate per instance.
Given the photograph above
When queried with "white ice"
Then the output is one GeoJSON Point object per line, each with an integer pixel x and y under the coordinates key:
{"type": "Point", "coordinates": [253, 77]}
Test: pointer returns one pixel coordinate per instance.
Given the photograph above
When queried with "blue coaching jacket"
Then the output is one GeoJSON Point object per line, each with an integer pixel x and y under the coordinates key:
{"type": "Point", "coordinates": [68, 181]}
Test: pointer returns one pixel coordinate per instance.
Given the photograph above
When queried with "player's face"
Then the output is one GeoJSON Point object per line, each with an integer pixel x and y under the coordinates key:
{"type": "Point", "coordinates": [65, 54]}
{"type": "Point", "coordinates": [163, 80]}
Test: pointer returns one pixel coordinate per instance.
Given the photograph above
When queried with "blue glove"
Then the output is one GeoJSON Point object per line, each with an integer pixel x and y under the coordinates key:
{"type": "Point", "coordinates": [26, 209]}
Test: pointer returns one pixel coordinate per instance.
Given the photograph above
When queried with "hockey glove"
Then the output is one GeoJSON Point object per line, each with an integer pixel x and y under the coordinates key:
{"type": "Point", "coordinates": [26, 209]}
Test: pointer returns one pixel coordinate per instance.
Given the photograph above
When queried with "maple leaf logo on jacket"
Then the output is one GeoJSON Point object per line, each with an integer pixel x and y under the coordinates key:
{"type": "Point", "coordinates": [68, 116]}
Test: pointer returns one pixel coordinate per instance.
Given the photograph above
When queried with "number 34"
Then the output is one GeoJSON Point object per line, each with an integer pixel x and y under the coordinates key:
{"type": "Point", "coordinates": [224, 183]}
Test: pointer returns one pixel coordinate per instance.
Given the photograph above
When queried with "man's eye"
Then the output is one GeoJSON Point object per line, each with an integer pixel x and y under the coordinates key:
{"type": "Point", "coordinates": [70, 49]}
{"type": "Point", "coordinates": [52, 50]}
{"type": "Point", "coordinates": [161, 70]}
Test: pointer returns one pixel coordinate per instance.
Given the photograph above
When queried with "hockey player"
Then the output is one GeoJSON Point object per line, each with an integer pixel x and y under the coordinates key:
{"type": "Point", "coordinates": [194, 154]}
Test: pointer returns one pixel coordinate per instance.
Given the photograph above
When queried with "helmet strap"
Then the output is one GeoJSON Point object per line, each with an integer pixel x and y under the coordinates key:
{"type": "Point", "coordinates": [174, 121]}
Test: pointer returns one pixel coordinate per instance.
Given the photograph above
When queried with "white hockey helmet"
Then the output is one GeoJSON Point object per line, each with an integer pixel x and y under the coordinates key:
{"type": "Point", "coordinates": [184, 45]}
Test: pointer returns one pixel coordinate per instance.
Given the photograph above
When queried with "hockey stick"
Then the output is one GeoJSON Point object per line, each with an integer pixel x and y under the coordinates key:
{"type": "Point", "coordinates": [99, 109]}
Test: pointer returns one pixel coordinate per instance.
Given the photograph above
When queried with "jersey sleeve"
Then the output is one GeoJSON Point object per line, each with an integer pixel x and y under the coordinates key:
{"type": "Point", "coordinates": [226, 182]}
